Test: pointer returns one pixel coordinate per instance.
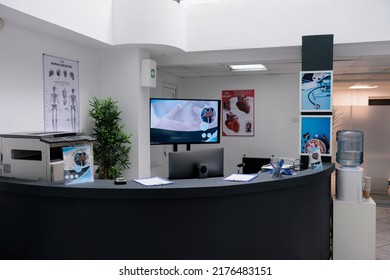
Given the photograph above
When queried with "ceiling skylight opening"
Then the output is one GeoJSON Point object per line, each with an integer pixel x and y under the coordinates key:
{"type": "Point", "coordinates": [247, 67]}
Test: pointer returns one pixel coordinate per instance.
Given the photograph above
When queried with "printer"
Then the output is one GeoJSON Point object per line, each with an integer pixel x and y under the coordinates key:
{"type": "Point", "coordinates": [40, 155]}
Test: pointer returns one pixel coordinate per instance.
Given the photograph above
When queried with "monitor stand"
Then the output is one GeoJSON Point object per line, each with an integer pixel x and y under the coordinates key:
{"type": "Point", "coordinates": [175, 147]}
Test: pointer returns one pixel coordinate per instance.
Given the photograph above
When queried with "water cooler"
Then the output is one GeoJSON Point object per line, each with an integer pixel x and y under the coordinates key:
{"type": "Point", "coordinates": [354, 217]}
{"type": "Point", "coordinates": [349, 176]}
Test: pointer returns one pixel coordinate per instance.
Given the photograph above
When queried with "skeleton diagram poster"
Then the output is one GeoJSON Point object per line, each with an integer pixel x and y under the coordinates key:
{"type": "Point", "coordinates": [238, 112]}
{"type": "Point", "coordinates": [61, 94]}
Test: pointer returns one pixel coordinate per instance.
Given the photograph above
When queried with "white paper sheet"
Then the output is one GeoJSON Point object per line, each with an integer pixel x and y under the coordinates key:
{"type": "Point", "coordinates": [154, 181]}
{"type": "Point", "coordinates": [240, 177]}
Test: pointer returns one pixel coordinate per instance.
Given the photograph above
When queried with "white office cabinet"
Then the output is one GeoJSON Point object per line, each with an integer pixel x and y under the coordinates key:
{"type": "Point", "coordinates": [354, 230]}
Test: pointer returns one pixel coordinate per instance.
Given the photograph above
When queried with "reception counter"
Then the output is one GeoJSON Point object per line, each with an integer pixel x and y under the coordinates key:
{"type": "Point", "coordinates": [267, 218]}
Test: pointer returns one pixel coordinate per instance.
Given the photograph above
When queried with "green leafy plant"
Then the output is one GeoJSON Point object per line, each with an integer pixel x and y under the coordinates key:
{"type": "Point", "coordinates": [112, 145]}
{"type": "Point", "coordinates": [336, 119]}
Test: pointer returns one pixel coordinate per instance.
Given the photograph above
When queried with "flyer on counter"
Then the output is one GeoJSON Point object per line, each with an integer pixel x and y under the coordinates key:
{"type": "Point", "coordinates": [154, 181]}
{"type": "Point", "coordinates": [240, 177]}
{"type": "Point", "coordinates": [77, 165]}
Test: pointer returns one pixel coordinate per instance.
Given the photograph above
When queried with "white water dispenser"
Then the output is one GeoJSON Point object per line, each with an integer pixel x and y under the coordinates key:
{"type": "Point", "coordinates": [349, 176]}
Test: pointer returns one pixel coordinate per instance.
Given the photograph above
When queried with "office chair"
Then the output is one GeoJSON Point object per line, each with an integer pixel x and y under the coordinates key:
{"type": "Point", "coordinates": [251, 165]}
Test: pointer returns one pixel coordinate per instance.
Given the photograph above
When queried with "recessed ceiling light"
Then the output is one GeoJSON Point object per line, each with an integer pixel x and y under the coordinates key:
{"type": "Point", "coordinates": [362, 86]}
{"type": "Point", "coordinates": [247, 67]}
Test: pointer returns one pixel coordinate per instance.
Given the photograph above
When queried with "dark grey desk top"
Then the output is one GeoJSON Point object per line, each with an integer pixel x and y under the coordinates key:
{"type": "Point", "coordinates": [106, 189]}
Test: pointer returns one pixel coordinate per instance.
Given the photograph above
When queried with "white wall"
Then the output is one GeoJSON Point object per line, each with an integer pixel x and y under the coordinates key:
{"type": "Point", "coordinates": [276, 104]}
{"type": "Point", "coordinates": [21, 77]}
{"type": "Point", "coordinates": [236, 24]}
{"type": "Point", "coordinates": [230, 24]}
{"type": "Point", "coordinates": [108, 72]}
{"type": "Point", "coordinates": [155, 22]}
{"type": "Point", "coordinates": [358, 97]}
{"type": "Point", "coordinates": [158, 22]}
{"type": "Point", "coordinates": [87, 17]}
{"type": "Point", "coordinates": [119, 77]}
{"type": "Point", "coordinates": [164, 78]}
{"type": "Point", "coordinates": [353, 112]}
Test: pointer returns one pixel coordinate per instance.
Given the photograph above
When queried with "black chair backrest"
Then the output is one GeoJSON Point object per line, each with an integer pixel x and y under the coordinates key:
{"type": "Point", "coordinates": [253, 165]}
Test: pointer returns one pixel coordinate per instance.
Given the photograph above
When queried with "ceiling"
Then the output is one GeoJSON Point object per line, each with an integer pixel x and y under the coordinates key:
{"type": "Point", "coordinates": [347, 71]}
{"type": "Point", "coordinates": [367, 63]}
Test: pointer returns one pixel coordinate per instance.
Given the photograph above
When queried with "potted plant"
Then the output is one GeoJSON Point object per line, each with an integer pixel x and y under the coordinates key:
{"type": "Point", "coordinates": [112, 145]}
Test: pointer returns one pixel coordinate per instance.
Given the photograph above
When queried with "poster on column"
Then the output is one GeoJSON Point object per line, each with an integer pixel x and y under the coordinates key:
{"type": "Point", "coordinates": [238, 112]}
{"type": "Point", "coordinates": [316, 132]}
{"type": "Point", "coordinates": [61, 94]}
{"type": "Point", "coordinates": [316, 91]}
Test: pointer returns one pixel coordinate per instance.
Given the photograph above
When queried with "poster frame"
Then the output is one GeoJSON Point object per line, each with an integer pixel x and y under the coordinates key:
{"type": "Point", "coordinates": [316, 95]}
{"type": "Point", "coordinates": [306, 136]}
{"type": "Point", "coordinates": [61, 100]}
{"type": "Point", "coordinates": [238, 112]}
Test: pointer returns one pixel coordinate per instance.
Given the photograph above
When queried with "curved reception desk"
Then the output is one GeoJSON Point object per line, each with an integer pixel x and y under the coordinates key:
{"type": "Point", "coordinates": [267, 218]}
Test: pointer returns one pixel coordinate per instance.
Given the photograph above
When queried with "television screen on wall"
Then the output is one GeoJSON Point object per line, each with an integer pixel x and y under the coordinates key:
{"type": "Point", "coordinates": [184, 121]}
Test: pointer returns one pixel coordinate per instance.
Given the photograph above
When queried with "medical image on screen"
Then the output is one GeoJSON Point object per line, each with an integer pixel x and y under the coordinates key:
{"type": "Point", "coordinates": [184, 121]}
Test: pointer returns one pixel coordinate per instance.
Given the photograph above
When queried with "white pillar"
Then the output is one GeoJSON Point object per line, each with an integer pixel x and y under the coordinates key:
{"type": "Point", "coordinates": [119, 78]}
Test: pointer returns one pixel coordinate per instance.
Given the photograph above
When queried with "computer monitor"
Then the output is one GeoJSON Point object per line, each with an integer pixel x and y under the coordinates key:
{"type": "Point", "coordinates": [253, 165]}
{"type": "Point", "coordinates": [196, 164]}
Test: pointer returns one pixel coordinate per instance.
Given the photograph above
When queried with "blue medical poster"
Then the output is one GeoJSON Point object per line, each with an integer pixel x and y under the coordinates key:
{"type": "Point", "coordinates": [78, 166]}
{"type": "Point", "coordinates": [316, 91]}
{"type": "Point", "coordinates": [316, 131]}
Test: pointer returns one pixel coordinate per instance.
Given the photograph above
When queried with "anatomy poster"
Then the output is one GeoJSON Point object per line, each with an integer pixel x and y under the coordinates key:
{"type": "Point", "coordinates": [238, 112]}
{"type": "Point", "coordinates": [61, 94]}
{"type": "Point", "coordinates": [316, 91]}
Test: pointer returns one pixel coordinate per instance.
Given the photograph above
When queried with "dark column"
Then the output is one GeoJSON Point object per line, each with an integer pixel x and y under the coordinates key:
{"type": "Point", "coordinates": [317, 52]}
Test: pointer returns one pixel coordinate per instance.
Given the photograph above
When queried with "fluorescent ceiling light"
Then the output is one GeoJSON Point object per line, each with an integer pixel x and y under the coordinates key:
{"type": "Point", "coordinates": [247, 67]}
{"type": "Point", "coordinates": [362, 86]}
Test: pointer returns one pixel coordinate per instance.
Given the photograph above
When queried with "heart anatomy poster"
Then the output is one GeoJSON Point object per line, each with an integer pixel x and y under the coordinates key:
{"type": "Point", "coordinates": [238, 112]}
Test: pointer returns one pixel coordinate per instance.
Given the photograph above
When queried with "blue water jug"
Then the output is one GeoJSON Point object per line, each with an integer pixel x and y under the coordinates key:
{"type": "Point", "coordinates": [349, 147]}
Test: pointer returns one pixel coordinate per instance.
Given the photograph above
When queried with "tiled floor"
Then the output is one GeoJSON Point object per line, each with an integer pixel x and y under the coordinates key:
{"type": "Point", "coordinates": [382, 226]}
{"type": "Point", "coordinates": [383, 232]}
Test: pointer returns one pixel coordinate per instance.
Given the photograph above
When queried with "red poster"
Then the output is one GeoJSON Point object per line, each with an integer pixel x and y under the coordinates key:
{"type": "Point", "coordinates": [238, 112]}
